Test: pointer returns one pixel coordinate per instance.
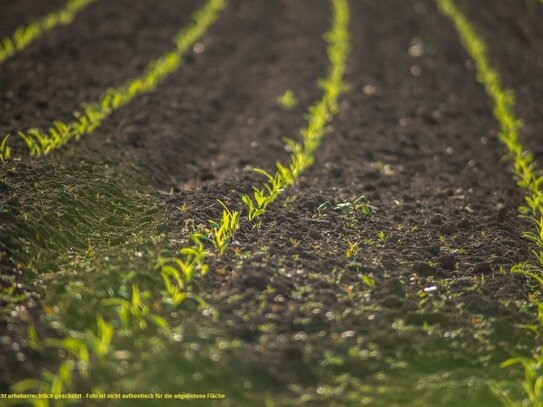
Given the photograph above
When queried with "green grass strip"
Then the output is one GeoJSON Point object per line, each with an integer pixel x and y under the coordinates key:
{"type": "Point", "coordinates": [527, 176]}
{"type": "Point", "coordinates": [92, 115]}
{"type": "Point", "coordinates": [178, 271]}
{"type": "Point", "coordinates": [24, 36]}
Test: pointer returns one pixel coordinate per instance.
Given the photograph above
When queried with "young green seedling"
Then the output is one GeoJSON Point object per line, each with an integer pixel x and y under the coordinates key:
{"type": "Point", "coordinates": [368, 280]}
{"type": "Point", "coordinates": [5, 151]}
{"type": "Point", "coordinates": [222, 232]}
{"type": "Point", "coordinates": [352, 249]}
{"type": "Point", "coordinates": [358, 205]}
{"type": "Point", "coordinates": [287, 100]}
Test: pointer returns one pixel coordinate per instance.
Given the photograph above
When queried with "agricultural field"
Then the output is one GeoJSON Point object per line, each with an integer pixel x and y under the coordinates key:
{"type": "Point", "coordinates": [271, 202]}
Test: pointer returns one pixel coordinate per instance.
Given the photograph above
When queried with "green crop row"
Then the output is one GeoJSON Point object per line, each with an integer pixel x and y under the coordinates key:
{"type": "Point", "coordinates": [527, 176]}
{"type": "Point", "coordinates": [319, 116]}
{"type": "Point", "coordinates": [134, 313]}
{"type": "Point", "coordinates": [179, 270]}
{"type": "Point", "coordinates": [23, 36]}
{"type": "Point", "coordinates": [92, 115]}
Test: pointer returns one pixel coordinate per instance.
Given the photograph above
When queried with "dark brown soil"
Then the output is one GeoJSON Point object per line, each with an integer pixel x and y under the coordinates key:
{"type": "Point", "coordinates": [295, 321]}
{"type": "Point", "coordinates": [21, 13]}
{"type": "Point", "coordinates": [518, 30]}
{"type": "Point", "coordinates": [52, 77]}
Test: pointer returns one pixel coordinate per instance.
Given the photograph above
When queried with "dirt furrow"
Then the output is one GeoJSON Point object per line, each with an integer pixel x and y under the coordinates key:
{"type": "Point", "coordinates": [415, 136]}
{"type": "Point", "coordinates": [404, 298]}
{"type": "Point", "coordinates": [103, 184]}
{"type": "Point", "coordinates": [105, 46]}
{"type": "Point", "coordinates": [220, 115]}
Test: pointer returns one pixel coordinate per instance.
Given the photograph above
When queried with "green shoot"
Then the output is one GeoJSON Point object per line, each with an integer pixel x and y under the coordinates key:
{"type": "Point", "coordinates": [178, 271]}
{"type": "Point", "coordinates": [32, 338]}
{"type": "Point", "coordinates": [352, 249]}
{"type": "Point", "coordinates": [368, 280]}
{"type": "Point", "coordinates": [382, 237]}
{"type": "Point", "coordinates": [5, 151]}
{"type": "Point", "coordinates": [223, 231]}
{"type": "Point", "coordinates": [135, 312]}
{"type": "Point", "coordinates": [288, 100]}
{"type": "Point", "coordinates": [358, 205]}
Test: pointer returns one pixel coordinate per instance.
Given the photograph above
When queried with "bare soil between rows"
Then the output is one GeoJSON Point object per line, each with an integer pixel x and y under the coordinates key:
{"type": "Point", "coordinates": [294, 321]}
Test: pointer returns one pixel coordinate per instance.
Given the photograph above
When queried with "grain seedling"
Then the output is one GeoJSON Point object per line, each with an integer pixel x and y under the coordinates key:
{"type": "Point", "coordinates": [178, 271]}
{"type": "Point", "coordinates": [92, 115]}
{"type": "Point", "coordinates": [222, 232]}
{"type": "Point", "coordinates": [527, 176]}
{"type": "Point", "coordinates": [24, 36]}
{"type": "Point", "coordinates": [135, 313]}
{"type": "Point", "coordinates": [358, 205]}
{"type": "Point", "coordinates": [5, 151]}
{"type": "Point", "coordinates": [368, 280]}
{"type": "Point", "coordinates": [78, 351]}
{"type": "Point", "coordinates": [352, 249]}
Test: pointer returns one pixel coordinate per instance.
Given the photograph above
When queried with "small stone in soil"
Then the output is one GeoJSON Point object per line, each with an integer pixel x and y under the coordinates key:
{"type": "Point", "coordinates": [432, 249]}
{"type": "Point", "coordinates": [483, 268]}
{"type": "Point", "coordinates": [502, 214]}
{"type": "Point", "coordinates": [448, 228]}
{"type": "Point", "coordinates": [423, 269]}
{"type": "Point", "coordinates": [447, 261]}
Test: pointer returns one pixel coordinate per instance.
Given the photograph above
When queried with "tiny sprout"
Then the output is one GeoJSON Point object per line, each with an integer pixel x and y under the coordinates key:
{"type": "Point", "coordinates": [5, 151]}
{"type": "Point", "coordinates": [287, 100]}
{"type": "Point", "coordinates": [351, 250]}
{"type": "Point", "coordinates": [368, 280]}
{"type": "Point", "coordinates": [382, 236]}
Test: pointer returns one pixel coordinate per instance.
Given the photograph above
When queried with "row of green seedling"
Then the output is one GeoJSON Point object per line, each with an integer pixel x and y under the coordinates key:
{"type": "Point", "coordinates": [318, 118]}
{"type": "Point", "coordinates": [92, 115]}
{"type": "Point", "coordinates": [527, 176]}
{"type": "Point", "coordinates": [177, 272]}
{"type": "Point", "coordinates": [194, 256]}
